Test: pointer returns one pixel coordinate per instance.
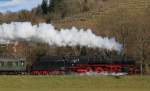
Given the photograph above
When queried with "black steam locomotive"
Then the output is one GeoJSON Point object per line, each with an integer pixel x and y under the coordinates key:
{"type": "Point", "coordinates": [82, 64]}
{"type": "Point", "coordinates": [54, 65]}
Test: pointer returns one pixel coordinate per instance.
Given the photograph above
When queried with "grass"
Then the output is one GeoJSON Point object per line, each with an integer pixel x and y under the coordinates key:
{"type": "Point", "coordinates": [74, 83]}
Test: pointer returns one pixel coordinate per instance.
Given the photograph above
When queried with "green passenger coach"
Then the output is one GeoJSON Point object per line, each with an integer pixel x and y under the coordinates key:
{"type": "Point", "coordinates": [12, 64]}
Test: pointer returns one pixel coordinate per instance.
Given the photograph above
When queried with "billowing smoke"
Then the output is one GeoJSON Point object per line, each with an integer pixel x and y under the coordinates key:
{"type": "Point", "coordinates": [46, 33]}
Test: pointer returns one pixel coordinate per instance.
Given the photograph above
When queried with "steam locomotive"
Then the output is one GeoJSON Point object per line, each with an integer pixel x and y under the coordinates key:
{"type": "Point", "coordinates": [82, 65]}
{"type": "Point", "coordinates": [54, 65]}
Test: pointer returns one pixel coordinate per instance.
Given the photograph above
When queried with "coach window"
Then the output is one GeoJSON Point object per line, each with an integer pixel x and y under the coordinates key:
{"type": "Point", "coordinates": [1, 64]}
{"type": "Point", "coordinates": [15, 64]}
{"type": "Point", "coordinates": [9, 64]}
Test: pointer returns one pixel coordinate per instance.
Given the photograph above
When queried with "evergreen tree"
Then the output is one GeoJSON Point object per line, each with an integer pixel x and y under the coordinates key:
{"type": "Point", "coordinates": [44, 7]}
{"type": "Point", "coordinates": [54, 5]}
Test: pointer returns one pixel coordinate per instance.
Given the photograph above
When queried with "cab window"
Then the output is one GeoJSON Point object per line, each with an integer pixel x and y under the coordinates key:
{"type": "Point", "coordinates": [1, 64]}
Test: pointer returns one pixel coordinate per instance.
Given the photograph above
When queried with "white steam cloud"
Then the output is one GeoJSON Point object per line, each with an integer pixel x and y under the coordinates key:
{"type": "Point", "coordinates": [47, 33]}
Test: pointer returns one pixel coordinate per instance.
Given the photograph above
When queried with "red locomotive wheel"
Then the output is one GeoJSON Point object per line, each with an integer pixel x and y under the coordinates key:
{"type": "Point", "coordinates": [45, 72]}
{"type": "Point", "coordinates": [99, 70]}
{"type": "Point", "coordinates": [89, 69]}
{"type": "Point", "coordinates": [35, 72]}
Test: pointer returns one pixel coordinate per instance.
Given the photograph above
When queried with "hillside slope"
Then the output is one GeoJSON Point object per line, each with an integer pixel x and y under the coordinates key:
{"type": "Point", "coordinates": [109, 6]}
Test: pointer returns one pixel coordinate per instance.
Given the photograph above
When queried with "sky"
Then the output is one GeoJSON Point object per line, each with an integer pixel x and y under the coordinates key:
{"type": "Point", "coordinates": [16, 5]}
